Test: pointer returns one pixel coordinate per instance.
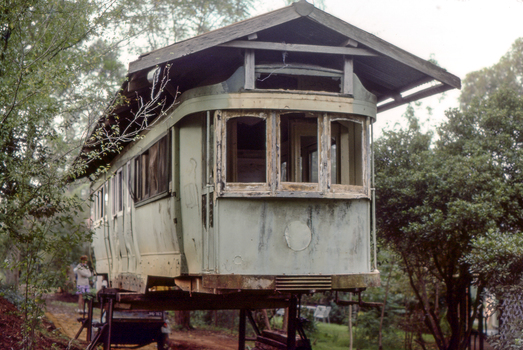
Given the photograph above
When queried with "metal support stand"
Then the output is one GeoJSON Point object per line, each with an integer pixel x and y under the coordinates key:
{"type": "Point", "coordinates": [241, 338]}
{"type": "Point", "coordinates": [86, 322]}
{"type": "Point", "coordinates": [253, 323]}
{"type": "Point", "coordinates": [291, 325]}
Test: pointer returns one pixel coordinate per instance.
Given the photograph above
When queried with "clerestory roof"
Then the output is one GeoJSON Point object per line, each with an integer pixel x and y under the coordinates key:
{"type": "Point", "coordinates": [388, 71]}
{"type": "Point", "coordinates": [299, 33]}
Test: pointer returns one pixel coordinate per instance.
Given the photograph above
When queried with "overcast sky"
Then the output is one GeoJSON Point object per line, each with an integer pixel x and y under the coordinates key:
{"type": "Point", "coordinates": [462, 35]}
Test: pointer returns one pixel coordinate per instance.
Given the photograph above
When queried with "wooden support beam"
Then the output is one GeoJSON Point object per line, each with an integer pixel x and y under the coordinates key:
{"type": "Point", "coordinates": [393, 94]}
{"type": "Point", "coordinates": [433, 90]}
{"type": "Point", "coordinates": [348, 80]}
{"type": "Point", "coordinates": [249, 70]}
{"type": "Point", "coordinates": [178, 300]}
{"type": "Point", "coordinates": [264, 45]}
{"type": "Point", "coordinates": [350, 42]}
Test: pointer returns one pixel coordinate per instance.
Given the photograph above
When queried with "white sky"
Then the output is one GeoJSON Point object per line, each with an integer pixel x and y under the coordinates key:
{"type": "Point", "coordinates": [462, 35]}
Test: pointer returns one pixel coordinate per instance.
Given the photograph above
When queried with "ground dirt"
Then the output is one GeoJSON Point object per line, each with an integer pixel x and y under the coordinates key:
{"type": "Point", "coordinates": [11, 337]}
{"type": "Point", "coordinates": [61, 325]}
{"type": "Point", "coordinates": [62, 312]}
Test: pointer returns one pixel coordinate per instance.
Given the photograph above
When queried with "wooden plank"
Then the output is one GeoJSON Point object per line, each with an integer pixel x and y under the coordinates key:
{"type": "Point", "coordinates": [350, 42]}
{"type": "Point", "coordinates": [264, 45]}
{"type": "Point", "coordinates": [348, 79]}
{"type": "Point", "coordinates": [433, 90]}
{"type": "Point", "coordinates": [213, 38]}
{"type": "Point", "coordinates": [249, 69]}
{"type": "Point", "coordinates": [385, 48]}
{"type": "Point", "coordinates": [405, 88]}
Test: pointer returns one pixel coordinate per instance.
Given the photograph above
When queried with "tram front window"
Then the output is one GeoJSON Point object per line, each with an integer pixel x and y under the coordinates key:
{"type": "Point", "coordinates": [246, 150]}
{"type": "Point", "coordinates": [346, 153]}
{"type": "Point", "coordinates": [299, 148]}
{"type": "Point", "coordinates": [283, 153]}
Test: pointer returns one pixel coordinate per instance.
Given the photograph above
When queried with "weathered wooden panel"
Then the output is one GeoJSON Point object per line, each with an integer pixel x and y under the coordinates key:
{"type": "Point", "coordinates": [152, 223]}
{"type": "Point", "coordinates": [191, 141]}
{"type": "Point", "coordinates": [284, 236]}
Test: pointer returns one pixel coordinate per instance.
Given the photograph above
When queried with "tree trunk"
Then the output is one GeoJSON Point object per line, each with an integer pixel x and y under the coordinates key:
{"type": "Point", "coordinates": [183, 319]}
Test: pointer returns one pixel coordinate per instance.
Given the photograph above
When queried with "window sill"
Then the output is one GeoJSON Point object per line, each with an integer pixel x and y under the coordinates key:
{"type": "Point", "coordinates": [152, 199]}
{"type": "Point", "coordinates": [357, 193]}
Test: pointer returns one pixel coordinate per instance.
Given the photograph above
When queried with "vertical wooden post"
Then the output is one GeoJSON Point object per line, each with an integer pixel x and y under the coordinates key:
{"type": "Point", "coordinates": [480, 326]}
{"type": "Point", "coordinates": [241, 338]}
{"type": "Point", "coordinates": [89, 325]}
{"type": "Point", "coordinates": [109, 317]}
{"type": "Point", "coordinates": [291, 327]}
{"type": "Point", "coordinates": [249, 70]}
{"type": "Point", "coordinates": [348, 81]}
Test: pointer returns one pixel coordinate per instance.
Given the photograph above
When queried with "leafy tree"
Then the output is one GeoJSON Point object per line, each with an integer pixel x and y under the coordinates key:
{"type": "Point", "coordinates": [431, 205]}
{"type": "Point", "coordinates": [59, 66]}
{"type": "Point", "coordinates": [43, 56]}
{"type": "Point", "coordinates": [507, 74]}
{"type": "Point", "coordinates": [491, 128]}
{"type": "Point", "coordinates": [452, 209]}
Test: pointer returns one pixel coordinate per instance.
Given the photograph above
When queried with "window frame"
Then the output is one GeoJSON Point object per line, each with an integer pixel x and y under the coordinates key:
{"type": "Point", "coordinates": [128, 185]}
{"type": "Point", "coordinates": [98, 208]}
{"type": "Point", "coordinates": [274, 186]}
{"type": "Point", "coordinates": [117, 204]}
{"type": "Point", "coordinates": [221, 142]}
{"type": "Point", "coordinates": [297, 130]}
{"type": "Point", "coordinates": [339, 188]}
{"type": "Point", "coordinates": [142, 183]}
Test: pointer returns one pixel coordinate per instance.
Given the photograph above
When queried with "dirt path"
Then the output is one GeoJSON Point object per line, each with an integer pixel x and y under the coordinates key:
{"type": "Point", "coordinates": [64, 316]}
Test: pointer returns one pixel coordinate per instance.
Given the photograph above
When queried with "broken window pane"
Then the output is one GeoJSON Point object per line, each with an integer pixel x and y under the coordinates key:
{"type": "Point", "coordinates": [246, 150]}
{"type": "Point", "coordinates": [151, 170]}
{"type": "Point", "coordinates": [299, 147]}
{"type": "Point", "coordinates": [119, 189]}
{"type": "Point", "coordinates": [346, 153]}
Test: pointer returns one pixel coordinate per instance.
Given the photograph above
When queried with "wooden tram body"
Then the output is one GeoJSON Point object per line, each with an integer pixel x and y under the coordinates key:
{"type": "Point", "coordinates": [257, 183]}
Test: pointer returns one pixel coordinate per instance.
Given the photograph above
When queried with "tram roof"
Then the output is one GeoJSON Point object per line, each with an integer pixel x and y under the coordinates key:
{"type": "Point", "coordinates": [393, 75]}
{"type": "Point", "coordinates": [384, 69]}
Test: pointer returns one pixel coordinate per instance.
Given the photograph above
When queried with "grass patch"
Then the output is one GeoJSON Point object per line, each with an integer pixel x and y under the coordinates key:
{"type": "Point", "coordinates": [336, 337]}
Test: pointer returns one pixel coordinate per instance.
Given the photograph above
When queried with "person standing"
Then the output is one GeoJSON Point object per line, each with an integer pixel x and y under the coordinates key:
{"type": "Point", "coordinates": [82, 281]}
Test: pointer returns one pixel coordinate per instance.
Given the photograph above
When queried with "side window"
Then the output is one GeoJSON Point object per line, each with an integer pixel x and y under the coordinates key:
{"type": "Point", "coordinates": [119, 189]}
{"type": "Point", "coordinates": [246, 150]}
{"type": "Point", "coordinates": [299, 148]}
{"type": "Point", "coordinates": [346, 153]}
{"type": "Point", "coordinates": [117, 192]}
{"type": "Point", "coordinates": [128, 182]}
{"type": "Point", "coordinates": [105, 199]}
{"type": "Point", "coordinates": [98, 204]}
{"type": "Point", "coordinates": [151, 170]}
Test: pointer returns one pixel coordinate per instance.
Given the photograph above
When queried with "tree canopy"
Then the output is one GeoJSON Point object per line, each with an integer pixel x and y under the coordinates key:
{"type": "Point", "coordinates": [506, 74]}
{"type": "Point", "coordinates": [451, 207]}
{"type": "Point", "coordinates": [59, 67]}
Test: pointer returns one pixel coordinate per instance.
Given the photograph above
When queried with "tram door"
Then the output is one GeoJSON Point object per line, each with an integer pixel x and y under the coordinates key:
{"type": "Point", "coordinates": [208, 195]}
{"type": "Point", "coordinates": [196, 197]}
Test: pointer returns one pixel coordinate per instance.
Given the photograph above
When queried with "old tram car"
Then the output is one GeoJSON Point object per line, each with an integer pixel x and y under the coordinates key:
{"type": "Point", "coordinates": [257, 184]}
